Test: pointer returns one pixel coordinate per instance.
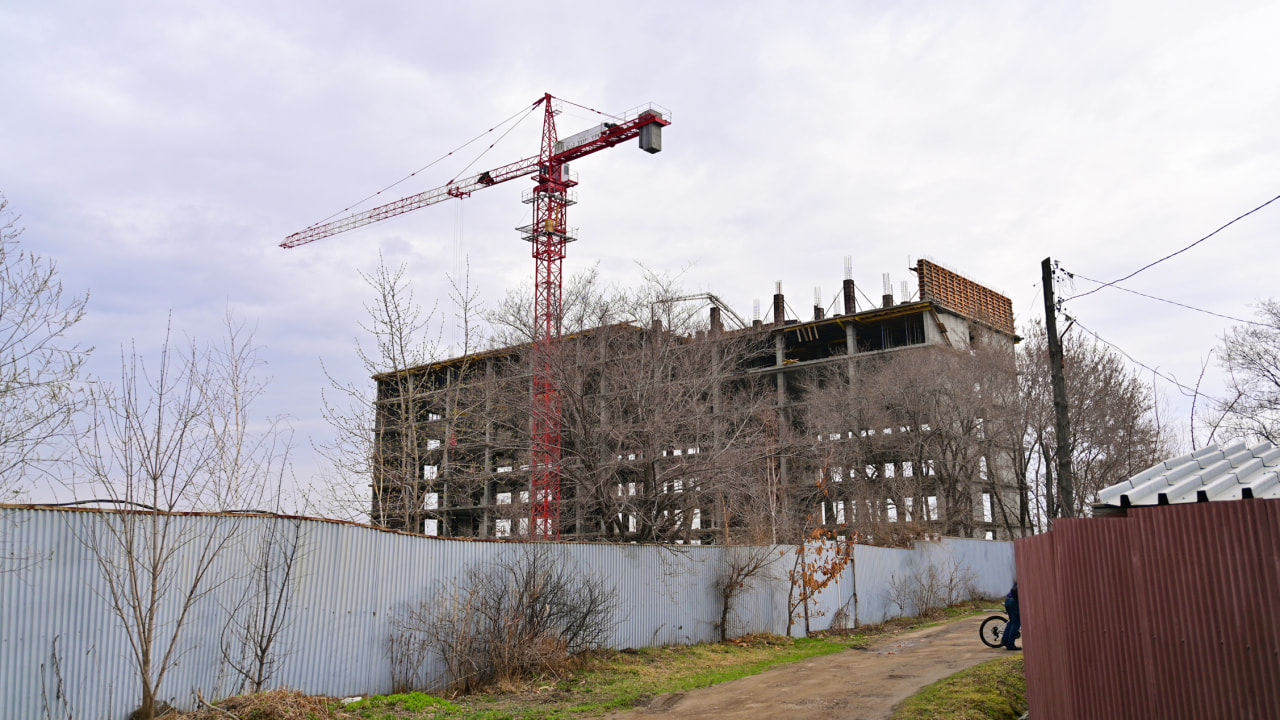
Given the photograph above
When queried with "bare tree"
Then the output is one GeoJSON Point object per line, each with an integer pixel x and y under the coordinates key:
{"type": "Point", "coordinates": [148, 453]}
{"type": "Point", "coordinates": [905, 444]}
{"type": "Point", "coordinates": [818, 560]}
{"type": "Point", "coordinates": [252, 640]}
{"type": "Point", "coordinates": [249, 470]}
{"type": "Point", "coordinates": [927, 591]}
{"type": "Point", "coordinates": [743, 567]}
{"type": "Point", "coordinates": [586, 303]}
{"type": "Point", "coordinates": [858, 474]}
{"type": "Point", "coordinates": [952, 408]}
{"type": "Point", "coordinates": [1114, 427]}
{"type": "Point", "coordinates": [653, 431]}
{"type": "Point", "coordinates": [377, 442]}
{"type": "Point", "coordinates": [658, 419]}
{"type": "Point", "coordinates": [171, 436]}
{"type": "Point", "coordinates": [1250, 357]}
{"type": "Point", "coordinates": [655, 419]}
{"type": "Point", "coordinates": [459, 418]}
{"type": "Point", "coordinates": [39, 365]}
{"type": "Point", "coordinates": [902, 445]}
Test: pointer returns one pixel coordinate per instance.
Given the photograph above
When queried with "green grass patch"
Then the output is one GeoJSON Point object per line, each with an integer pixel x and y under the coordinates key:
{"type": "Point", "coordinates": [416, 702]}
{"type": "Point", "coordinates": [609, 680]}
{"type": "Point", "coordinates": [605, 681]}
{"type": "Point", "coordinates": [993, 690]}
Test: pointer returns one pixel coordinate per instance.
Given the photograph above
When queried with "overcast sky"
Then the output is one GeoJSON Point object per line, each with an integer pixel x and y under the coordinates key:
{"type": "Point", "coordinates": [160, 151]}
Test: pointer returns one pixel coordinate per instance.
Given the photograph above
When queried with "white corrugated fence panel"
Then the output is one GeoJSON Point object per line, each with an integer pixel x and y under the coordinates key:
{"type": "Point", "coordinates": [347, 584]}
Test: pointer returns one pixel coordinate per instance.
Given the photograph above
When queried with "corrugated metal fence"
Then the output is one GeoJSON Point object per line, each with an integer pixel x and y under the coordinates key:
{"type": "Point", "coordinates": [1167, 613]}
{"type": "Point", "coordinates": [64, 654]}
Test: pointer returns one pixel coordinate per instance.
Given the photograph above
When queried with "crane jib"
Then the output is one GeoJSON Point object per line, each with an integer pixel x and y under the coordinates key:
{"type": "Point", "coordinates": [458, 189]}
{"type": "Point", "coordinates": [647, 126]}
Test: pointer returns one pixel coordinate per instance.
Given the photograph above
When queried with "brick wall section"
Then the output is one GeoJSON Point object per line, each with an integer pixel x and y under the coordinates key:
{"type": "Point", "coordinates": [964, 296]}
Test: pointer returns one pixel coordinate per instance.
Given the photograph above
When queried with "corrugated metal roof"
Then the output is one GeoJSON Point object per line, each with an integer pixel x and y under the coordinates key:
{"type": "Point", "coordinates": [1210, 474]}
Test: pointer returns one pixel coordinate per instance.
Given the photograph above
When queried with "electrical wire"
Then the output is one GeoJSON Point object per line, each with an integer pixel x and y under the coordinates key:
{"type": "Point", "coordinates": [1173, 254]}
{"type": "Point", "coordinates": [1189, 392]}
{"type": "Point", "coordinates": [1035, 303]}
{"type": "Point", "coordinates": [152, 508]}
{"type": "Point", "coordinates": [1171, 302]}
{"type": "Point", "coordinates": [109, 501]}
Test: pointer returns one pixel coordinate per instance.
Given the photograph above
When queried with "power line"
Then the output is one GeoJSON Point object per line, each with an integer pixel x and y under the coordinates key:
{"type": "Point", "coordinates": [1189, 392]}
{"type": "Point", "coordinates": [1034, 301]}
{"type": "Point", "coordinates": [1173, 254]}
{"type": "Point", "coordinates": [1171, 302]}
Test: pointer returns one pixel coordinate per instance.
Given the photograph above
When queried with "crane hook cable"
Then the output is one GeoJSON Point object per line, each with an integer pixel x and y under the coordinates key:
{"type": "Point", "coordinates": [526, 112]}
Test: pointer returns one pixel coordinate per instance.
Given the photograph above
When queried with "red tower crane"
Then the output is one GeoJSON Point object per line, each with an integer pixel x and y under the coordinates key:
{"type": "Point", "coordinates": [549, 236]}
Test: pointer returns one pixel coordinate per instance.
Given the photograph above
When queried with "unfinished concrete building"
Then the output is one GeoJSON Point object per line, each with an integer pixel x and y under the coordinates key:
{"type": "Point", "coordinates": [753, 432]}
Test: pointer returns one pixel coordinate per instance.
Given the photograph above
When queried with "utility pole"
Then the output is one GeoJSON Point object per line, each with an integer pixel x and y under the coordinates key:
{"type": "Point", "coordinates": [1066, 484]}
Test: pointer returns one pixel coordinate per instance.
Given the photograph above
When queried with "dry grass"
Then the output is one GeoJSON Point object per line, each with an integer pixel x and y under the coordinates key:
{"type": "Point", "coordinates": [593, 684]}
{"type": "Point", "coordinates": [759, 640]}
{"type": "Point", "coordinates": [272, 705]}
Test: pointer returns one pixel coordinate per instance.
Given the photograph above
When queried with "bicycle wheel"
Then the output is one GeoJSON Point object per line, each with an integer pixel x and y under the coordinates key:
{"type": "Point", "coordinates": [992, 632]}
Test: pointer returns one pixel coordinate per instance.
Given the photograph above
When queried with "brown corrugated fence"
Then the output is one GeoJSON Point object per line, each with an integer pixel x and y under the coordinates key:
{"type": "Point", "coordinates": [1170, 612]}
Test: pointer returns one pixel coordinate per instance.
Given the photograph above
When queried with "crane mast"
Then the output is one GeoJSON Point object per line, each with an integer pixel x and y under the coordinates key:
{"type": "Point", "coordinates": [548, 235]}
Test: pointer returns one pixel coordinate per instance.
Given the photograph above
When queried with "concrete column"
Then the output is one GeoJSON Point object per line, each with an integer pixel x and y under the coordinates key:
{"type": "Point", "coordinates": [780, 356]}
{"type": "Point", "coordinates": [486, 515]}
{"type": "Point", "coordinates": [444, 500]}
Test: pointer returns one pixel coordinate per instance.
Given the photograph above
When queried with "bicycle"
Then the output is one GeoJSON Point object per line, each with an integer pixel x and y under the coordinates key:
{"type": "Point", "coordinates": [992, 632]}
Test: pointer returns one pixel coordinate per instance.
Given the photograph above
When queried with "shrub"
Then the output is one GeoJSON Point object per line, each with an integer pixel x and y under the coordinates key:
{"type": "Point", "coordinates": [932, 590]}
{"type": "Point", "coordinates": [523, 615]}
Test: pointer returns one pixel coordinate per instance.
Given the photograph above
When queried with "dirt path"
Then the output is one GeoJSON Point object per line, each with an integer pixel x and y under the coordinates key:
{"type": "Point", "coordinates": [851, 685]}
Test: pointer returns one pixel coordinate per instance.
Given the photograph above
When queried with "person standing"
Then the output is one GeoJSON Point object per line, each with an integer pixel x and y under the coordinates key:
{"type": "Point", "coordinates": [1014, 626]}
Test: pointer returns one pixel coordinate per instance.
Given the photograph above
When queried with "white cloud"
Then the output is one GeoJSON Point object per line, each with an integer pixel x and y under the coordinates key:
{"type": "Point", "coordinates": [159, 151]}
